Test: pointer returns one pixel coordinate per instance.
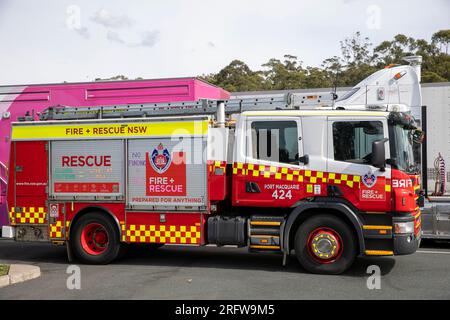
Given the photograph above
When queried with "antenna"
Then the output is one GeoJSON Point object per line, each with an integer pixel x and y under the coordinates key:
{"type": "Point", "coordinates": [334, 91]}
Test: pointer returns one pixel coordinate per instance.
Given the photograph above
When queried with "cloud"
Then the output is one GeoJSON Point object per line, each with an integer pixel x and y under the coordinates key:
{"type": "Point", "coordinates": [211, 44]}
{"type": "Point", "coordinates": [106, 19]}
{"type": "Point", "coordinates": [149, 38]}
{"type": "Point", "coordinates": [114, 37]}
{"type": "Point", "coordinates": [83, 31]}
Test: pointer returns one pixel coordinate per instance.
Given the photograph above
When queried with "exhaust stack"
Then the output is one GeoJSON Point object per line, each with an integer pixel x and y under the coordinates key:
{"type": "Point", "coordinates": [416, 63]}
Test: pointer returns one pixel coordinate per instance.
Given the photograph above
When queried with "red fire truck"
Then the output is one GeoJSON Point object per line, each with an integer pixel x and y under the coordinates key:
{"type": "Point", "coordinates": [267, 174]}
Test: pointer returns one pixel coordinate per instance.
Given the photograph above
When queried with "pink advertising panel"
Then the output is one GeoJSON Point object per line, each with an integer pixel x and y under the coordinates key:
{"type": "Point", "coordinates": [15, 101]}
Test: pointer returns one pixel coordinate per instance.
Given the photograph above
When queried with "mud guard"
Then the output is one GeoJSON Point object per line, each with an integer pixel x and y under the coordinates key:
{"type": "Point", "coordinates": [325, 204]}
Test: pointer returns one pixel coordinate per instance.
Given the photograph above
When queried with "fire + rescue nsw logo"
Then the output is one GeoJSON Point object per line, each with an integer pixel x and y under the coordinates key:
{"type": "Point", "coordinates": [369, 179]}
{"type": "Point", "coordinates": [160, 159]}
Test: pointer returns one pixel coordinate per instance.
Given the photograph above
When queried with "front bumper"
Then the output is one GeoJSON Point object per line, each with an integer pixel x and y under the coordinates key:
{"type": "Point", "coordinates": [405, 243]}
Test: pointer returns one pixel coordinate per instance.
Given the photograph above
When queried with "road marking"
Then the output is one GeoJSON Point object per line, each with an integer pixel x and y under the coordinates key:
{"type": "Point", "coordinates": [439, 252]}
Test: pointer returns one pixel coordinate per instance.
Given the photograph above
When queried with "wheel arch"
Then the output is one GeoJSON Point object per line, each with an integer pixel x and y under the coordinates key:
{"type": "Point", "coordinates": [90, 209]}
{"type": "Point", "coordinates": [305, 210]}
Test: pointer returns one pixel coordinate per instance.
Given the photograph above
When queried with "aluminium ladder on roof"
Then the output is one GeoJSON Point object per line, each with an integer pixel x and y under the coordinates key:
{"type": "Point", "coordinates": [289, 101]}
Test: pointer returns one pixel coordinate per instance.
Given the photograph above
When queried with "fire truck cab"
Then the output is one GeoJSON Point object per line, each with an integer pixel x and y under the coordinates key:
{"type": "Point", "coordinates": [328, 171]}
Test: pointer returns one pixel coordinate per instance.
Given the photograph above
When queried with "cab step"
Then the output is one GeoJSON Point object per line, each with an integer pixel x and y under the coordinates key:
{"type": "Point", "coordinates": [264, 233]}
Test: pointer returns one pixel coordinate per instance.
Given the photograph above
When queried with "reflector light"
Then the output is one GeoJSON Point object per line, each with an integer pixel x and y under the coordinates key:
{"type": "Point", "coordinates": [399, 75]}
{"type": "Point", "coordinates": [404, 227]}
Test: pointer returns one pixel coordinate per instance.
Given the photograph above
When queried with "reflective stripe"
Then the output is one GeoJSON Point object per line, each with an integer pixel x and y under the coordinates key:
{"type": "Point", "coordinates": [28, 215]}
{"type": "Point", "coordinates": [163, 234]}
{"type": "Point", "coordinates": [215, 164]}
{"type": "Point", "coordinates": [371, 227]}
{"type": "Point", "coordinates": [265, 223]}
{"type": "Point", "coordinates": [296, 175]}
{"type": "Point", "coordinates": [379, 253]}
{"type": "Point", "coordinates": [264, 247]}
{"type": "Point", "coordinates": [56, 230]}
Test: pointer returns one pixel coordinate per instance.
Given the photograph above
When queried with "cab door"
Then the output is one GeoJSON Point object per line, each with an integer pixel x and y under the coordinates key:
{"type": "Point", "coordinates": [269, 170]}
{"type": "Point", "coordinates": [349, 162]}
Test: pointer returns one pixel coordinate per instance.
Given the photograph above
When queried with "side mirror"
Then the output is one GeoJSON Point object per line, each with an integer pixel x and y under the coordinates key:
{"type": "Point", "coordinates": [378, 154]}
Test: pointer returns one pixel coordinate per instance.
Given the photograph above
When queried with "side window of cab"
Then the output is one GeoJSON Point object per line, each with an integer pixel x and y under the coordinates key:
{"type": "Point", "coordinates": [275, 141]}
{"type": "Point", "coordinates": [352, 140]}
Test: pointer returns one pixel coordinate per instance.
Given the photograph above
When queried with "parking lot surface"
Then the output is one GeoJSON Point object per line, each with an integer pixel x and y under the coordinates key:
{"type": "Point", "coordinates": [225, 273]}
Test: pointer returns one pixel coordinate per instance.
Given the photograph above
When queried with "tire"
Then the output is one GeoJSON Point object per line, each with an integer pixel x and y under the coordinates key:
{"type": "Point", "coordinates": [95, 239]}
{"type": "Point", "coordinates": [325, 244]}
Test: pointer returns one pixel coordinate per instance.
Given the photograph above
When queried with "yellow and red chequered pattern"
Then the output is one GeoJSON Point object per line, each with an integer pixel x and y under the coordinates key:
{"type": "Point", "coordinates": [169, 234]}
{"type": "Point", "coordinates": [216, 164]}
{"type": "Point", "coordinates": [27, 215]}
{"type": "Point", "coordinates": [288, 174]}
{"type": "Point", "coordinates": [56, 230]}
{"type": "Point", "coordinates": [123, 231]}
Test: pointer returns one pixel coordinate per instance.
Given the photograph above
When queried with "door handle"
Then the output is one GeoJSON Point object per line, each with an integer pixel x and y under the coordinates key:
{"type": "Point", "coordinates": [252, 187]}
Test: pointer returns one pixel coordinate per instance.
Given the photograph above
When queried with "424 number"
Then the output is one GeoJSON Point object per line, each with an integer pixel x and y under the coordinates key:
{"type": "Point", "coordinates": [282, 194]}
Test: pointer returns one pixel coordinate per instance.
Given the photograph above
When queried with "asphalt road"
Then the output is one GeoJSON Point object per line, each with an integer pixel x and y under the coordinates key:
{"type": "Point", "coordinates": [225, 273]}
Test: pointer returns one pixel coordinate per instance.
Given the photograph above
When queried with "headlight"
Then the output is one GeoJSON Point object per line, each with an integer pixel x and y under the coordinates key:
{"type": "Point", "coordinates": [404, 227]}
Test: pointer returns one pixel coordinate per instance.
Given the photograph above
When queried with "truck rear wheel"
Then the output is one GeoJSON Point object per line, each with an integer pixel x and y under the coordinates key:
{"type": "Point", "coordinates": [325, 244]}
{"type": "Point", "coordinates": [95, 239]}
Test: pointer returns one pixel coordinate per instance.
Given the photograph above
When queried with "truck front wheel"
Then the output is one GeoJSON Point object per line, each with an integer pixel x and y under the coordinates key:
{"type": "Point", "coordinates": [325, 244]}
{"type": "Point", "coordinates": [95, 239]}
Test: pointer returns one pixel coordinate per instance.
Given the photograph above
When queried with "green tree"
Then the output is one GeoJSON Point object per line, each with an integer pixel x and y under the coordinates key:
{"type": "Point", "coordinates": [436, 62]}
{"type": "Point", "coordinates": [356, 51]}
{"type": "Point", "coordinates": [114, 78]}
{"type": "Point", "coordinates": [318, 78]}
{"type": "Point", "coordinates": [237, 76]}
{"type": "Point", "coordinates": [288, 74]}
{"type": "Point", "coordinates": [357, 61]}
{"type": "Point", "coordinates": [119, 77]}
{"type": "Point", "coordinates": [442, 39]}
{"type": "Point", "coordinates": [393, 52]}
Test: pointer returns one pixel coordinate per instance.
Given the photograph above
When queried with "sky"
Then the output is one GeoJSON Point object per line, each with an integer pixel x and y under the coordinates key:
{"type": "Point", "coordinates": [50, 41]}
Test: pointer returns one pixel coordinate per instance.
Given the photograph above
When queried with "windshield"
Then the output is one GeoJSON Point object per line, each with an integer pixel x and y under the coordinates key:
{"type": "Point", "coordinates": [401, 143]}
{"type": "Point", "coordinates": [348, 94]}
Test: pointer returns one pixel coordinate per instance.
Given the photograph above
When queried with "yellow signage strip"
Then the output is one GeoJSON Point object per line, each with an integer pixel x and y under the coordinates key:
{"type": "Point", "coordinates": [108, 130]}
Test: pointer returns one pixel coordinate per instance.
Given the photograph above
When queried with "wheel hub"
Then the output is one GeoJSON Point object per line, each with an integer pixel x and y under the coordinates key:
{"type": "Point", "coordinates": [94, 239]}
{"type": "Point", "coordinates": [100, 238]}
{"type": "Point", "coordinates": [324, 245]}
